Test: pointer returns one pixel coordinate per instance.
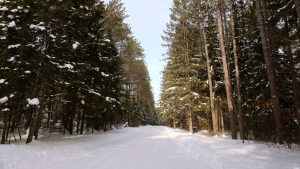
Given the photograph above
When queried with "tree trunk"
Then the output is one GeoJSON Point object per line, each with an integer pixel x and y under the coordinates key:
{"type": "Point", "coordinates": [267, 50]}
{"type": "Point", "coordinates": [71, 124]}
{"type": "Point", "coordinates": [37, 128]}
{"type": "Point", "coordinates": [227, 78]}
{"type": "Point", "coordinates": [221, 118]}
{"type": "Point", "coordinates": [297, 4]}
{"type": "Point", "coordinates": [82, 122]}
{"type": "Point", "coordinates": [78, 121]}
{"type": "Point", "coordinates": [186, 53]}
{"type": "Point", "coordinates": [19, 132]}
{"type": "Point", "coordinates": [295, 82]}
{"type": "Point", "coordinates": [3, 139]}
{"type": "Point", "coordinates": [35, 118]}
{"type": "Point", "coordinates": [237, 74]}
{"type": "Point", "coordinates": [33, 124]}
{"type": "Point", "coordinates": [190, 121]}
{"type": "Point", "coordinates": [211, 93]}
{"type": "Point", "coordinates": [174, 123]}
{"type": "Point", "coordinates": [8, 127]}
{"type": "Point", "coordinates": [199, 124]}
{"type": "Point", "coordinates": [189, 111]}
{"type": "Point", "coordinates": [49, 116]}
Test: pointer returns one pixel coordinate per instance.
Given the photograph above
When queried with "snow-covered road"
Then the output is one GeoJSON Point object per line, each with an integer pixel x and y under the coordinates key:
{"type": "Point", "coordinates": [145, 148]}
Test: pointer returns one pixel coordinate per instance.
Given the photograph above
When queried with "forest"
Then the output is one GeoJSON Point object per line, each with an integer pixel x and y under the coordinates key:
{"type": "Point", "coordinates": [73, 66]}
{"type": "Point", "coordinates": [233, 66]}
{"type": "Point", "coordinates": [149, 84]}
{"type": "Point", "coordinates": [70, 67]}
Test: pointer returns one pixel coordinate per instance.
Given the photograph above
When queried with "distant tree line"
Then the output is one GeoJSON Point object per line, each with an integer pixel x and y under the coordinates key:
{"type": "Point", "coordinates": [64, 67]}
{"type": "Point", "coordinates": [234, 66]}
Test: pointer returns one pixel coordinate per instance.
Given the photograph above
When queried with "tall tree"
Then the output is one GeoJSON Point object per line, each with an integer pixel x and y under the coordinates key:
{"type": "Point", "coordinates": [239, 110]}
{"type": "Point", "coordinates": [183, 76]}
{"type": "Point", "coordinates": [227, 78]}
{"type": "Point", "coordinates": [137, 100]}
{"type": "Point", "coordinates": [210, 84]}
{"type": "Point", "coordinates": [262, 15]}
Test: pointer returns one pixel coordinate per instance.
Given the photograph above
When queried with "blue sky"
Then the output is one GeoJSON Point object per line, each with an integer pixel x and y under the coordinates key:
{"type": "Point", "coordinates": [148, 19]}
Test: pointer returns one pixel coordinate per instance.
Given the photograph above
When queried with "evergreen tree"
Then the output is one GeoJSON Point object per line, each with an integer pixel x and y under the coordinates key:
{"type": "Point", "coordinates": [59, 66]}
{"type": "Point", "coordinates": [239, 35]}
{"type": "Point", "coordinates": [137, 100]}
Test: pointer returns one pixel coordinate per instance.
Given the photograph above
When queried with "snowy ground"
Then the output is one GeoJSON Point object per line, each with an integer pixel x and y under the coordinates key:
{"type": "Point", "coordinates": [146, 148]}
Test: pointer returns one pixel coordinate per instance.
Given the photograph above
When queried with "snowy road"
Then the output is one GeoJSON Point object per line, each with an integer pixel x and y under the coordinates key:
{"type": "Point", "coordinates": [145, 148]}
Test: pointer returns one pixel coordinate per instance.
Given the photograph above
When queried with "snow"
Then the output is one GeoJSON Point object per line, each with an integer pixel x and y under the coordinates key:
{"type": "Point", "coordinates": [12, 24]}
{"type": "Point", "coordinates": [10, 16]}
{"type": "Point", "coordinates": [2, 81]}
{"type": "Point", "coordinates": [145, 148]}
{"type": "Point", "coordinates": [69, 66]}
{"type": "Point", "coordinates": [75, 45]}
{"type": "Point", "coordinates": [280, 24]}
{"type": "Point", "coordinates": [3, 99]}
{"type": "Point", "coordinates": [106, 40]}
{"type": "Point", "coordinates": [14, 10]}
{"type": "Point", "coordinates": [33, 102]}
{"type": "Point", "coordinates": [292, 32]}
{"type": "Point", "coordinates": [6, 109]}
{"type": "Point", "coordinates": [38, 27]}
{"type": "Point", "coordinates": [280, 51]}
{"type": "Point", "coordinates": [285, 6]}
{"type": "Point", "coordinates": [109, 99]}
{"type": "Point", "coordinates": [104, 74]}
{"type": "Point", "coordinates": [52, 36]}
{"type": "Point", "coordinates": [4, 8]}
{"type": "Point", "coordinates": [11, 59]}
{"type": "Point", "coordinates": [171, 89]}
{"type": "Point", "coordinates": [95, 93]}
{"type": "Point", "coordinates": [14, 46]}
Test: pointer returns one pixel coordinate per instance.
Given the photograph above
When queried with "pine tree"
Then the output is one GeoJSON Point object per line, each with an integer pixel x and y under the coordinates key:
{"type": "Point", "coordinates": [227, 78]}
{"type": "Point", "coordinates": [135, 78]}
{"type": "Point", "coordinates": [69, 67]}
{"type": "Point", "coordinates": [183, 76]}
